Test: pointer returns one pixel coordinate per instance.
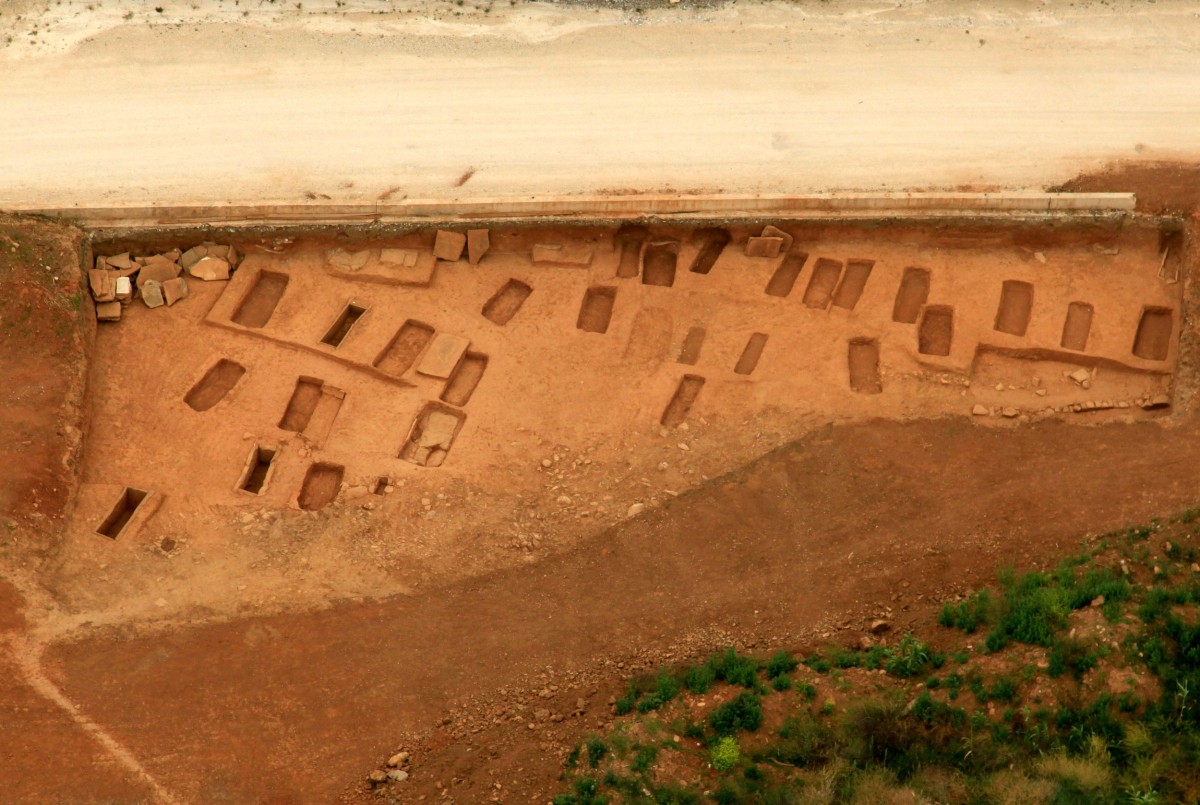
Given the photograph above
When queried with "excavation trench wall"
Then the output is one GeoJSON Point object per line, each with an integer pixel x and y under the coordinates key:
{"type": "Point", "coordinates": [598, 209]}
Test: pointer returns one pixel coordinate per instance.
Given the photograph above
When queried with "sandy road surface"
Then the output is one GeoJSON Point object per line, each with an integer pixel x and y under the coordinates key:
{"type": "Point", "coordinates": [542, 100]}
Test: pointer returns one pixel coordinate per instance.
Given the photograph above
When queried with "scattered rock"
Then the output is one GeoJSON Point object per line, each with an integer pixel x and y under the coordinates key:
{"type": "Point", "coordinates": [1080, 376]}
{"type": "Point", "coordinates": [174, 290]}
{"type": "Point", "coordinates": [478, 243]}
{"type": "Point", "coordinates": [764, 247]}
{"type": "Point", "coordinates": [635, 509]}
{"type": "Point", "coordinates": [108, 311]}
{"type": "Point", "coordinates": [1011, 413]}
{"type": "Point", "coordinates": [152, 294]}
{"type": "Point", "coordinates": [1098, 601]}
{"type": "Point", "coordinates": [398, 759]}
{"type": "Point", "coordinates": [449, 245]}
{"type": "Point", "coordinates": [979, 410]}
{"type": "Point", "coordinates": [397, 775]}
{"type": "Point", "coordinates": [879, 627]}
{"type": "Point", "coordinates": [377, 777]}
{"type": "Point", "coordinates": [210, 269]}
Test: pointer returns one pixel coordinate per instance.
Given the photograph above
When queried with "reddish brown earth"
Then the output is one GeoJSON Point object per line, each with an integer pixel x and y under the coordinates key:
{"type": "Point", "coordinates": [44, 323]}
{"type": "Point", "coordinates": [809, 542]}
{"type": "Point", "coordinates": [813, 536]}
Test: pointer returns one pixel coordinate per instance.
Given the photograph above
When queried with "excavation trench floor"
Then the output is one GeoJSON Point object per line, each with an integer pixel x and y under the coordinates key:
{"type": "Point", "coordinates": [389, 482]}
{"type": "Point", "coordinates": [357, 418]}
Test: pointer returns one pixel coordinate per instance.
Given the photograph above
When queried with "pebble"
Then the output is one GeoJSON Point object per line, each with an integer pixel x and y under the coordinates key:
{"type": "Point", "coordinates": [635, 509]}
{"type": "Point", "coordinates": [979, 410]}
{"type": "Point", "coordinates": [683, 446]}
{"type": "Point", "coordinates": [1011, 413]}
{"type": "Point", "coordinates": [398, 775]}
{"type": "Point", "coordinates": [547, 462]}
{"type": "Point", "coordinates": [564, 499]}
{"type": "Point", "coordinates": [398, 759]}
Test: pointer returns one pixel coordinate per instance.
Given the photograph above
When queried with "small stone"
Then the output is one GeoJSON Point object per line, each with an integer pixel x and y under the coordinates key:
{"type": "Point", "coordinates": [398, 759]}
{"type": "Point", "coordinates": [662, 465]}
{"type": "Point", "coordinates": [152, 294]}
{"type": "Point", "coordinates": [1087, 384]}
{"type": "Point", "coordinates": [635, 510]}
{"type": "Point", "coordinates": [1098, 601]}
{"type": "Point", "coordinates": [865, 643]}
{"type": "Point", "coordinates": [174, 290]}
{"type": "Point", "coordinates": [979, 410]}
{"type": "Point", "coordinates": [108, 311]}
{"type": "Point", "coordinates": [210, 269]}
{"type": "Point", "coordinates": [564, 500]}
{"type": "Point", "coordinates": [1080, 376]}
{"type": "Point", "coordinates": [1040, 392]}
{"type": "Point", "coordinates": [879, 627]}
{"type": "Point", "coordinates": [999, 387]}
{"type": "Point", "coordinates": [683, 447]}
{"type": "Point", "coordinates": [376, 777]}
{"type": "Point", "coordinates": [397, 775]}
{"type": "Point", "coordinates": [1010, 413]}
{"type": "Point", "coordinates": [547, 463]}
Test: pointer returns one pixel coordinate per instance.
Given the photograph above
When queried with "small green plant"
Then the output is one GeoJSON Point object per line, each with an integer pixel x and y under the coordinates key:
{"type": "Point", "coordinates": [743, 712]}
{"type": "Point", "coordinates": [967, 615]}
{"type": "Point", "coordinates": [596, 750]}
{"type": "Point", "coordinates": [781, 663]}
{"type": "Point", "coordinates": [727, 666]}
{"type": "Point", "coordinates": [699, 678]}
{"type": "Point", "coordinates": [781, 683]}
{"type": "Point", "coordinates": [644, 759]}
{"type": "Point", "coordinates": [666, 688]}
{"type": "Point", "coordinates": [725, 754]}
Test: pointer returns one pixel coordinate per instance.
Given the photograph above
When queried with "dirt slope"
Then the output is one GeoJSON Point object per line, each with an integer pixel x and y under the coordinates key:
{"type": "Point", "coordinates": [837, 522]}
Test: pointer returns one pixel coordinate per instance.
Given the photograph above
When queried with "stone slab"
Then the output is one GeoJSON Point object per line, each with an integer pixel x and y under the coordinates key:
{"type": "Point", "coordinates": [776, 232]}
{"type": "Point", "coordinates": [570, 254]}
{"type": "Point", "coordinates": [478, 243]}
{"type": "Point", "coordinates": [443, 355]}
{"type": "Point", "coordinates": [103, 285]}
{"type": "Point", "coordinates": [210, 269]}
{"type": "Point", "coordinates": [399, 257]}
{"type": "Point", "coordinates": [174, 290]}
{"type": "Point", "coordinates": [152, 294]}
{"type": "Point", "coordinates": [449, 245]}
{"type": "Point", "coordinates": [764, 247]}
{"type": "Point", "coordinates": [347, 260]}
{"type": "Point", "coordinates": [158, 272]}
{"type": "Point", "coordinates": [108, 311]}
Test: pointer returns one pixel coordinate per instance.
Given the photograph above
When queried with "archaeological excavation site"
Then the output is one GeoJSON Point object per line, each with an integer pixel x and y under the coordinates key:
{"type": "Point", "coordinates": [599, 402]}
{"type": "Point", "coordinates": [361, 444]}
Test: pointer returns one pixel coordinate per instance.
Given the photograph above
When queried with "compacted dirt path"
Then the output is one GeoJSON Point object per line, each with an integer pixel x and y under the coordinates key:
{"type": "Point", "coordinates": [268, 102]}
{"type": "Point", "coordinates": [287, 709]}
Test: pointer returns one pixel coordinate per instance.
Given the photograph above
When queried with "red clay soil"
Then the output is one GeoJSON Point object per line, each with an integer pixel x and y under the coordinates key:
{"type": "Point", "coordinates": [1163, 188]}
{"type": "Point", "coordinates": [44, 323]}
{"type": "Point", "coordinates": [824, 532]}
